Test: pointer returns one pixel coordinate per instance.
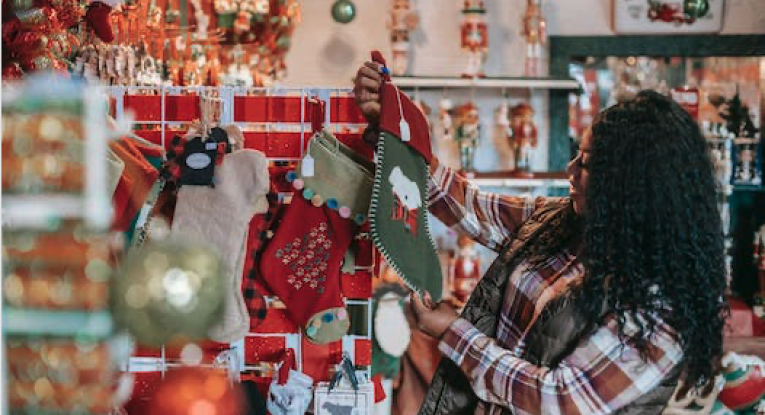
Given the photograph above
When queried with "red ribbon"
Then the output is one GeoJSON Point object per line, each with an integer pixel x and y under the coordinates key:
{"type": "Point", "coordinates": [288, 363]}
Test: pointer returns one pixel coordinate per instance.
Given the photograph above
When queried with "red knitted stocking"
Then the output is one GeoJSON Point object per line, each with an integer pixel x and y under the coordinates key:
{"type": "Point", "coordinates": [301, 265]}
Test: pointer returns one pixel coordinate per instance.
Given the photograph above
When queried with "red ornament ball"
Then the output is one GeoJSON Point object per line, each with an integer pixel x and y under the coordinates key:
{"type": "Point", "coordinates": [196, 391]}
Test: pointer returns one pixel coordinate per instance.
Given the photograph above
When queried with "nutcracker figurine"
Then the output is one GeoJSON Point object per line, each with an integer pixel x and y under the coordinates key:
{"type": "Point", "coordinates": [475, 38]}
{"type": "Point", "coordinates": [534, 30]}
{"type": "Point", "coordinates": [467, 134]}
{"type": "Point", "coordinates": [465, 271]}
{"type": "Point", "coordinates": [445, 118]}
{"type": "Point", "coordinates": [402, 21]}
{"type": "Point", "coordinates": [524, 134]}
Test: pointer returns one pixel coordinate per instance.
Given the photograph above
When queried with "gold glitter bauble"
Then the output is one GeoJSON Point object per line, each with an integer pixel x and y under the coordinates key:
{"type": "Point", "coordinates": [168, 293]}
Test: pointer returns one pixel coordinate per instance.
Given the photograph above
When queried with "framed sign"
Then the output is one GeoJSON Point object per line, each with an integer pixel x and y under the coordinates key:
{"type": "Point", "coordinates": [343, 400]}
{"type": "Point", "coordinates": [667, 16]}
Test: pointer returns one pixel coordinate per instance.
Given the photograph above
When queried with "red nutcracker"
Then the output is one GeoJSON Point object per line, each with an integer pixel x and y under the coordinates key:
{"type": "Point", "coordinates": [524, 134]}
{"type": "Point", "coordinates": [535, 32]}
{"type": "Point", "coordinates": [475, 38]}
{"type": "Point", "coordinates": [466, 271]}
{"type": "Point", "coordinates": [402, 21]}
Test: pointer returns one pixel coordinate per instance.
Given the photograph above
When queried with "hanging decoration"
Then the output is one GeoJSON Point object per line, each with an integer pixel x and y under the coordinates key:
{"type": "Point", "coordinates": [188, 43]}
{"type": "Point", "coordinates": [398, 213]}
{"type": "Point", "coordinates": [263, 29]}
{"type": "Point", "coordinates": [474, 37]}
{"type": "Point", "coordinates": [168, 293]}
{"type": "Point", "coordinates": [343, 11]}
{"type": "Point", "coordinates": [43, 34]}
{"type": "Point", "coordinates": [402, 21]}
{"type": "Point", "coordinates": [192, 390]}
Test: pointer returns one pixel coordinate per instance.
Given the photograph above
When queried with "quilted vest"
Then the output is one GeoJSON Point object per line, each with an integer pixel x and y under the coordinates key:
{"type": "Point", "coordinates": [554, 335]}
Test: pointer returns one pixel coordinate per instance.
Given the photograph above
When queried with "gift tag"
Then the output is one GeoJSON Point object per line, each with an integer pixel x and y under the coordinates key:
{"type": "Point", "coordinates": [403, 126]}
{"type": "Point", "coordinates": [198, 165]}
{"type": "Point", "coordinates": [306, 166]}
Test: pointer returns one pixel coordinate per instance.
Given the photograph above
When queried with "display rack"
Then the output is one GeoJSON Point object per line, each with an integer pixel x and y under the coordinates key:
{"type": "Point", "coordinates": [39, 211]}
{"type": "Point", "coordinates": [278, 122]}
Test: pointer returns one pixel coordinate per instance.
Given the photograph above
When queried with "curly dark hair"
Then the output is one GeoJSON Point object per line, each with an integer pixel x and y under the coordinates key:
{"type": "Point", "coordinates": [652, 241]}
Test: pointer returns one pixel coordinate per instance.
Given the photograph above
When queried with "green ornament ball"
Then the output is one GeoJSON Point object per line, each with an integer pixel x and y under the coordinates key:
{"type": "Point", "coordinates": [343, 11]}
{"type": "Point", "coordinates": [696, 8]}
{"type": "Point", "coordinates": [168, 293]}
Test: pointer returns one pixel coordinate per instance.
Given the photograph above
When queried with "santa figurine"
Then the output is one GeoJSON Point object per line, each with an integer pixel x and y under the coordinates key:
{"type": "Point", "coordinates": [402, 21]}
{"type": "Point", "coordinates": [535, 32]}
{"type": "Point", "coordinates": [467, 134]}
{"type": "Point", "coordinates": [465, 271]}
{"type": "Point", "coordinates": [475, 38]}
{"type": "Point", "coordinates": [524, 134]}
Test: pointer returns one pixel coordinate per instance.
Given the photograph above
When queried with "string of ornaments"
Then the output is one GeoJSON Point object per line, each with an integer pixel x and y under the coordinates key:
{"type": "Point", "coordinates": [43, 34]}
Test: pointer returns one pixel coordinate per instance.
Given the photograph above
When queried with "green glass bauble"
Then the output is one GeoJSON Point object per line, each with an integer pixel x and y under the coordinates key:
{"type": "Point", "coordinates": [168, 293]}
{"type": "Point", "coordinates": [343, 11]}
{"type": "Point", "coordinates": [696, 8]}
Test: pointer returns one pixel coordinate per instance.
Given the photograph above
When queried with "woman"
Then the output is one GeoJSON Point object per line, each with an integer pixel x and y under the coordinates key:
{"type": "Point", "coordinates": [597, 303]}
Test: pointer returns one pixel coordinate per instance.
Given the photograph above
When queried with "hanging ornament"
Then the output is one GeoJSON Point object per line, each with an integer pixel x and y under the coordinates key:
{"type": "Point", "coordinates": [193, 390]}
{"type": "Point", "coordinates": [168, 293]}
{"type": "Point", "coordinates": [343, 11]}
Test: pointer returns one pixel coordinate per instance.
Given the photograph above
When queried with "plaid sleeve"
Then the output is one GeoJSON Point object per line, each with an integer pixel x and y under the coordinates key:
{"type": "Point", "coordinates": [599, 377]}
{"type": "Point", "coordinates": [489, 218]}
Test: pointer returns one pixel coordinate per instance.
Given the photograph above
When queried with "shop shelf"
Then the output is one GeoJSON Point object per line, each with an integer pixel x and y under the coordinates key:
{"type": "Point", "coordinates": [509, 82]}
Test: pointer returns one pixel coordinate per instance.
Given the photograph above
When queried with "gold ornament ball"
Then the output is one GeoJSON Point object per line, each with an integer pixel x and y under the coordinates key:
{"type": "Point", "coordinates": [168, 293]}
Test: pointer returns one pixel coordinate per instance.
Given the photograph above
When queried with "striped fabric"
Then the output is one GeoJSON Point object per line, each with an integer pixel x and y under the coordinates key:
{"type": "Point", "coordinates": [600, 376]}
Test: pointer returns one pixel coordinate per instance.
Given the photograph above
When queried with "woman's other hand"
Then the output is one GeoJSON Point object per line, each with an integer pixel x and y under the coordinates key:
{"type": "Point", "coordinates": [432, 319]}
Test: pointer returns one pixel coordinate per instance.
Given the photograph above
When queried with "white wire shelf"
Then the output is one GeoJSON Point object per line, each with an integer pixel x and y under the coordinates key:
{"type": "Point", "coordinates": [511, 82]}
{"type": "Point", "coordinates": [38, 211]}
{"type": "Point", "coordinates": [57, 323]}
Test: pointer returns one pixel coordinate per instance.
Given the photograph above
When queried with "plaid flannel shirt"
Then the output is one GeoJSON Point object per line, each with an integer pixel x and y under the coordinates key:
{"type": "Point", "coordinates": [601, 375]}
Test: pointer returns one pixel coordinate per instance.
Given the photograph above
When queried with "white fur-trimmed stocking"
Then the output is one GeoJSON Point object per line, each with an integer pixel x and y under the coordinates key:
{"type": "Point", "coordinates": [220, 217]}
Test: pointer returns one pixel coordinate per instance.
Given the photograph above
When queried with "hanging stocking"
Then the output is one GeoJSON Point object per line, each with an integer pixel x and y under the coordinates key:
{"type": "Point", "coordinates": [220, 217]}
{"type": "Point", "coordinates": [399, 203]}
{"type": "Point", "coordinates": [258, 235]}
{"type": "Point", "coordinates": [301, 265]}
{"type": "Point", "coordinates": [291, 391]}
